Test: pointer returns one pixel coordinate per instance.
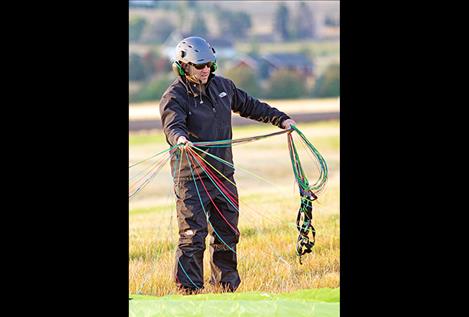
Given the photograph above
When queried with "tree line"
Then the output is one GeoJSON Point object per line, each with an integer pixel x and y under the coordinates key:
{"type": "Point", "coordinates": [288, 24]}
{"type": "Point", "coordinates": [282, 84]}
{"type": "Point", "coordinates": [153, 71]}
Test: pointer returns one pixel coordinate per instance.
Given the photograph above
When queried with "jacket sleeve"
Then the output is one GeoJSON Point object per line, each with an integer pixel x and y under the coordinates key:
{"type": "Point", "coordinates": [173, 119]}
{"type": "Point", "coordinates": [252, 108]}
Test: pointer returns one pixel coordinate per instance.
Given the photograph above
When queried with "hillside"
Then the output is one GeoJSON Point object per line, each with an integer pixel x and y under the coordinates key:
{"type": "Point", "coordinates": [262, 13]}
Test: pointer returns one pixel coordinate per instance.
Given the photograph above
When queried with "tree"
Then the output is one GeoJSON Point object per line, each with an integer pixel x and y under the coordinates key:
{"type": "Point", "coordinates": [254, 50]}
{"type": "Point", "coordinates": [136, 68]}
{"type": "Point", "coordinates": [192, 4]}
{"type": "Point", "coordinates": [307, 51]}
{"type": "Point", "coordinates": [154, 89]}
{"type": "Point", "coordinates": [304, 27]}
{"type": "Point", "coordinates": [281, 21]}
{"type": "Point", "coordinates": [285, 84]}
{"type": "Point", "coordinates": [136, 26]}
{"type": "Point", "coordinates": [246, 79]}
{"type": "Point", "coordinates": [182, 16]}
{"type": "Point", "coordinates": [159, 30]}
{"type": "Point", "coordinates": [149, 60]}
{"type": "Point", "coordinates": [198, 25]}
{"type": "Point", "coordinates": [233, 23]}
{"type": "Point", "coordinates": [241, 23]}
{"type": "Point", "coordinates": [328, 84]}
{"type": "Point", "coordinates": [332, 21]}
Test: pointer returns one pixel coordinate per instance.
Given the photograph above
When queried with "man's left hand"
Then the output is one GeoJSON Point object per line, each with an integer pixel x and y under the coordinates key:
{"type": "Point", "coordinates": [287, 124]}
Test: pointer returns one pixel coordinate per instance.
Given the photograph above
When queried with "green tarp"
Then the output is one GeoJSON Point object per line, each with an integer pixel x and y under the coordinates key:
{"type": "Point", "coordinates": [322, 302]}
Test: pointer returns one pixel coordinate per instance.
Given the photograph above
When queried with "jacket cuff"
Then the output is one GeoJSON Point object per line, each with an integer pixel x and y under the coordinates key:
{"type": "Point", "coordinates": [174, 138]}
{"type": "Point", "coordinates": [283, 118]}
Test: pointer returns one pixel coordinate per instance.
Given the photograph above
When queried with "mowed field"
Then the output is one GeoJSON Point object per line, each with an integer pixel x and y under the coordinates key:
{"type": "Point", "coordinates": [269, 202]}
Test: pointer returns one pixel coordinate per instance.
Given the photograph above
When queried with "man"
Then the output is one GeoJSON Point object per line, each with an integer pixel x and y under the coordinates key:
{"type": "Point", "coordinates": [197, 107]}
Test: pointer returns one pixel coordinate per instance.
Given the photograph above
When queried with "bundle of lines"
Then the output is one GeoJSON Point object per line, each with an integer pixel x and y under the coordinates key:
{"type": "Point", "coordinates": [197, 157]}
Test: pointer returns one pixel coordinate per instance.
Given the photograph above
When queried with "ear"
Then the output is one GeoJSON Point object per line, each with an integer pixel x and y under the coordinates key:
{"type": "Point", "coordinates": [185, 67]}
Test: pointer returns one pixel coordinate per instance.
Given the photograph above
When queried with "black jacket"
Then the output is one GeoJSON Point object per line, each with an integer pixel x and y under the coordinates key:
{"type": "Point", "coordinates": [207, 117]}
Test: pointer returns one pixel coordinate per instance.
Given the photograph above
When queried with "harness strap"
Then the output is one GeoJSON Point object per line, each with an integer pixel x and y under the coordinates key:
{"type": "Point", "coordinates": [304, 224]}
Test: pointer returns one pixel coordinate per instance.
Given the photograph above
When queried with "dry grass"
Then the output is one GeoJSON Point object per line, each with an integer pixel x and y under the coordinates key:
{"type": "Point", "coordinates": [266, 252]}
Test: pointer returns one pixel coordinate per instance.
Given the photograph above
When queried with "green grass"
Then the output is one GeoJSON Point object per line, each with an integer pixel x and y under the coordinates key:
{"type": "Point", "coordinates": [319, 48]}
{"type": "Point", "coordinates": [157, 138]}
{"type": "Point", "coordinates": [323, 302]}
{"type": "Point", "coordinates": [267, 260]}
{"type": "Point", "coordinates": [330, 295]}
{"type": "Point", "coordinates": [229, 308]}
{"type": "Point", "coordinates": [148, 210]}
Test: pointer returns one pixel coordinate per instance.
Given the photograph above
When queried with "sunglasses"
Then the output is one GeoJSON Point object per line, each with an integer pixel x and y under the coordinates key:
{"type": "Point", "coordinates": [202, 66]}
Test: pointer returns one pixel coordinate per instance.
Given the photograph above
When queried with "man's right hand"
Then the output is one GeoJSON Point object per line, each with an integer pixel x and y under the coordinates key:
{"type": "Point", "coordinates": [183, 140]}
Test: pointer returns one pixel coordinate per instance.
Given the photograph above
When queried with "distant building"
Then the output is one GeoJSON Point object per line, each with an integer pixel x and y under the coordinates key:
{"type": "Point", "coordinates": [265, 65]}
{"type": "Point", "coordinates": [290, 61]}
{"type": "Point", "coordinates": [243, 61]}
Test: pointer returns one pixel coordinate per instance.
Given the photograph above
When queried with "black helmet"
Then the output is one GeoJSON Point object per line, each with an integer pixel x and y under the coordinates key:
{"type": "Point", "coordinates": [194, 50]}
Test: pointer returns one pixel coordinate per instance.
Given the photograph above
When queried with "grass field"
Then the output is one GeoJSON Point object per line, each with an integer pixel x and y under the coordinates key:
{"type": "Point", "coordinates": [319, 48]}
{"type": "Point", "coordinates": [268, 208]}
{"type": "Point", "coordinates": [324, 302]}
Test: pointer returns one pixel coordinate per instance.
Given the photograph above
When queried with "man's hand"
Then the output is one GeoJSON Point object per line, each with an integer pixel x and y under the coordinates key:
{"type": "Point", "coordinates": [183, 140]}
{"type": "Point", "coordinates": [286, 124]}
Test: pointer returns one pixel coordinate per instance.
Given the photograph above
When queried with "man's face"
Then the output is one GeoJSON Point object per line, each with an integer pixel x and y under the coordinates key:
{"type": "Point", "coordinates": [200, 72]}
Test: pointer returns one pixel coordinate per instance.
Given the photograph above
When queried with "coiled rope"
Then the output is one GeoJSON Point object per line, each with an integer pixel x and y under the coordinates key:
{"type": "Point", "coordinates": [308, 191]}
